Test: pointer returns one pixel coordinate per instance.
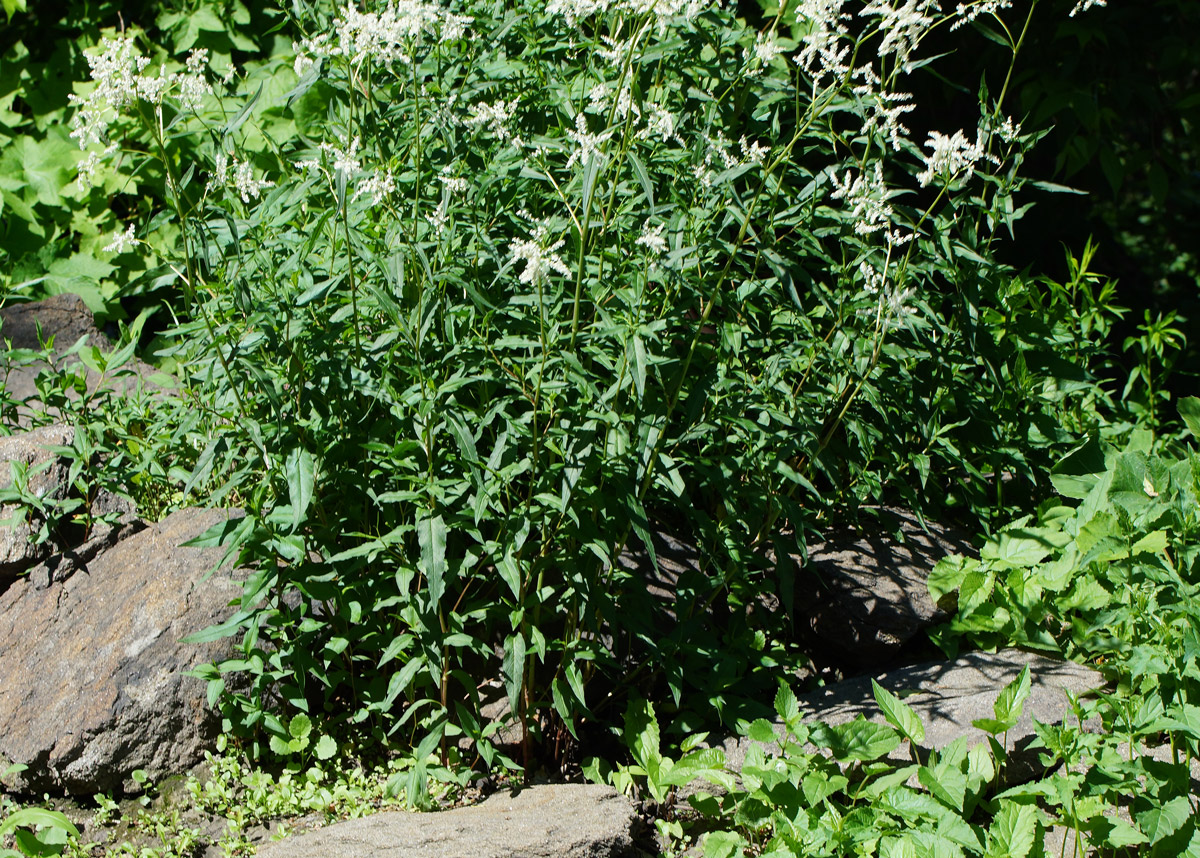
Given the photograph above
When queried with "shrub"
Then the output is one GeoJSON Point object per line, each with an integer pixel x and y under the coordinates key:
{"type": "Point", "coordinates": [473, 298]}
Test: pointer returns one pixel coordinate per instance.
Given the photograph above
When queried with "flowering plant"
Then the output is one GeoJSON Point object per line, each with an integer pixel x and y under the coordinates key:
{"type": "Point", "coordinates": [479, 299]}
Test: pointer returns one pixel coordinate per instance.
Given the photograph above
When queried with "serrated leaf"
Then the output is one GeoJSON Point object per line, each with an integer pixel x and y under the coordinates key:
{"type": "Point", "coordinates": [1189, 410]}
{"type": "Point", "coordinates": [1013, 831]}
{"type": "Point", "coordinates": [1165, 820]}
{"type": "Point", "coordinates": [786, 704]}
{"type": "Point", "coordinates": [859, 740]}
{"type": "Point", "coordinates": [899, 714]}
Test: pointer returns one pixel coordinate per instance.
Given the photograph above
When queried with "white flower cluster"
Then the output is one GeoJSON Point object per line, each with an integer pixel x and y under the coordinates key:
{"type": "Point", "coordinates": [242, 173]}
{"type": "Point", "coordinates": [866, 194]}
{"type": "Point", "coordinates": [1084, 5]}
{"type": "Point", "coordinates": [122, 241]}
{"type": "Point", "coordinates": [825, 48]}
{"type": "Point", "coordinates": [763, 53]}
{"type": "Point", "coordinates": [385, 37]}
{"type": "Point", "coordinates": [652, 239]}
{"type": "Point", "coordinates": [118, 72]}
{"type": "Point", "coordinates": [665, 12]}
{"type": "Point", "coordinates": [968, 12]}
{"type": "Point", "coordinates": [720, 154]}
{"type": "Point", "coordinates": [586, 143]}
{"type": "Point", "coordinates": [452, 186]}
{"type": "Point", "coordinates": [345, 159]}
{"type": "Point", "coordinates": [902, 23]}
{"type": "Point", "coordinates": [952, 157]}
{"type": "Point", "coordinates": [539, 255]}
{"type": "Point", "coordinates": [497, 117]}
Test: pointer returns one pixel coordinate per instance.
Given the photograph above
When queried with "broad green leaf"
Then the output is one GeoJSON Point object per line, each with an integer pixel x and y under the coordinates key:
{"type": "Point", "coordinates": [899, 714]}
{"type": "Point", "coordinates": [1013, 830]}
{"type": "Point", "coordinates": [300, 726]}
{"type": "Point", "coordinates": [1012, 699]}
{"type": "Point", "coordinates": [786, 704]}
{"type": "Point", "coordinates": [325, 748]}
{"type": "Point", "coordinates": [29, 817]}
{"type": "Point", "coordinates": [1152, 543]}
{"type": "Point", "coordinates": [1165, 820]}
{"type": "Point", "coordinates": [641, 733]}
{"type": "Point", "coordinates": [1023, 547]}
{"type": "Point", "coordinates": [860, 740]}
{"type": "Point", "coordinates": [1189, 410]}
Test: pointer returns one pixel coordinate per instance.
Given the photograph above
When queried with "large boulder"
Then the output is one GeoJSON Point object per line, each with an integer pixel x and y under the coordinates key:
{"type": "Point", "coordinates": [551, 821]}
{"type": "Point", "coordinates": [865, 588]}
{"type": "Point", "coordinates": [92, 682]}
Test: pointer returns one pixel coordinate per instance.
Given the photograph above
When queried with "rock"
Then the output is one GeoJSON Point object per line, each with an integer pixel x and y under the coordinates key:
{"type": "Point", "coordinates": [867, 592]}
{"type": "Point", "coordinates": [49, 478]}
{"type": "Point", "coordinates": [948, 696]}
{"type": "Point", "coordinates": [92, 681]}
{"type": "Point", "coordinates": [551, 821]}
{"type": "Point", "coordinates": [65, 318]}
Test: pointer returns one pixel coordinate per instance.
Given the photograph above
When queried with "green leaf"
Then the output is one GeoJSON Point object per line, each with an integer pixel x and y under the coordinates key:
{"type": "Point", "coordinates": [300, 726]}
{"type": "Point", "coordinates": [1163, 821]}
{"type": "Point", "coordinates": [1008, 705]}
{"type": "Point", "coordinates": [786, 704]}
{"type": "Point", "coordinates": [30, 817]}
{"type": "Point", "coordinates": [512, 667]}
{"type": "Point", "coordinates": [280, 746]}
{"type": "Point", "coordinates": [1189, 410]}
{"type": "Point", "coordinates": [300, 471]}
{"type": "Point", "coordinates": [431, 535]}
{"type": "Point", "coordinates": [899, 714]}
{"type": "Point", "coordinates": [325, 748]}
{"type": "Point", "coordinates": [1013, 831]}
{"type": "Point", "coordinates": [641, 733]}
{"type": "Point", "coordinates": [860, 740]}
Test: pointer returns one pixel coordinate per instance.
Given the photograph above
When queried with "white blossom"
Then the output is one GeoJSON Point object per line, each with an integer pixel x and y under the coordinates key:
{"type": "Point", "coordinates": [951, 156]}
{"type": "Point", "coordinates": [753, 152]}
{"type": "Point", "coordinates": [495, 116]}
{"type": "Point", "coordinates": [385, 37]}
{"type": "Point", "coordinates": [652, 238]}
{"type": "Point", "coordinates": [539, 256]}
{"type": "Point", "coordinates": [867, 196]}
{"type": "Point", "coordinates": [586, 144]}
{"type": "Point", "coordinates": [378, 186]}
{"type": "Point", "coordinates": [764, 51]}
{"type": "Point", "coordinates": [248, 187]}
{"type": "Point", "coordinates": [344, 160]}
{"type": "Point", "coordinates": [122, 241]}
{"type": "Point", "coordinates": [902, 23]}
{"type": "Point", "coordinates": [968, 12]}
{"type": "Point", "coordinates": [1084, 5]}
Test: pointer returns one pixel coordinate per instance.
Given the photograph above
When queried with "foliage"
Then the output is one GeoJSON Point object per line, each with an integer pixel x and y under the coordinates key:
{"type": "Point", "coordinates": [36, 833]}
{"type": "Point", "coordinates": [459, 318]}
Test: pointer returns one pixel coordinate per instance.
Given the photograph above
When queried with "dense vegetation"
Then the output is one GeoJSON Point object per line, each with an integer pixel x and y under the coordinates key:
{"type": "Point", "coordinates": [464, 306]}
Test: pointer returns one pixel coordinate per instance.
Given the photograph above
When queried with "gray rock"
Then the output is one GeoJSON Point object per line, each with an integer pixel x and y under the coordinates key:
{"type": "Point", "coordinates": [65, 319]}
{"type": "Point", "coordinates": [867, 592]}
{"type": "Point", "coordinates": [551, 821]}
{"type": "Point", "coordinates": [948, 696]}
{"type": "Point", "coordinates": [92, 681]}
{"type": "Point", "coordinates": [49, 479]}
